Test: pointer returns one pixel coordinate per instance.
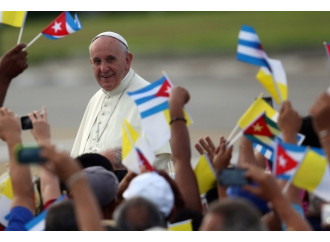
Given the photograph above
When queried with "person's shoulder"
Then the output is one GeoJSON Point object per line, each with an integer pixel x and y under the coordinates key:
{"type": "Point", "coordinates": [97, 95]}
{"type": "Point", "coordinates": [138, 82]}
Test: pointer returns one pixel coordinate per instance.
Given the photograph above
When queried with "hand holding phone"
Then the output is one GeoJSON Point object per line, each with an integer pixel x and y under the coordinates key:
{"type": "Point", "coordinates": [233, 177]}
{"type": "Point", "coordinates": [27, 155]}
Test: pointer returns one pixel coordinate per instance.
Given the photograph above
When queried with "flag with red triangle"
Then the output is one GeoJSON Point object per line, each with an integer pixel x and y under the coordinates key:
{"type": "Point", "coordinates": [63, 25]}
{"type": "Point", "coordinates": [327, 49]}
{"type": "Point", "coordinates": [152, 102]}
{"type": "Point", "coordinates": [262, 130]}
{"type": "Point", "coordinates": [143, 161]}
{"type": "Point", "coordinates": [287, 159]}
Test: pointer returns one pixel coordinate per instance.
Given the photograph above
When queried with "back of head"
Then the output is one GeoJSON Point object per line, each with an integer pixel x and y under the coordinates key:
{"type": "Point", "coordinates": [94, 159]}
{"type": "Point", "coordinates": [104, 184]}
{"type": "Point", "coordinates": [138, 214]}
{"type": "Point", "coordinates": [236, 215]}
{"type": "Point", "coordinates": [61, 217]}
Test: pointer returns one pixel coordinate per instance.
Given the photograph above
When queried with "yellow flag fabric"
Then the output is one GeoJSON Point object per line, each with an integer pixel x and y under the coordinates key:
{"type": "Point", "coordinates": [12, 18]}
{"type": "Point", "coordinates": [5, 186]}
{"type": "Point", "coordinates": [131, 140]}
{"type": "Point", "coordinates": [181, 226]}
{"type": "Point", "coordinates": [185, 114]}
{"type": "Point", "coordinates": [127, 135]}
{"type": "Point", "coordinates": [266, 80]}
{"type": "Point", "coordinates": [205, 175]}
{"type": "Point", "coordinates": [313, 174]}
{"type": "Point", "coordinates": [257, 107]}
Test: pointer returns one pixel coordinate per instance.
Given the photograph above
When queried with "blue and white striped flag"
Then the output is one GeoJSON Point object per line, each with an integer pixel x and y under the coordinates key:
{"type": "Point", "coordinates": [268, 153]}
{"type": "Point", "coordinates": [249, 48]}
{"type": "Point", "coordinates": [152, 102]}
{"type": "Point", "coordinates": [39, 222]}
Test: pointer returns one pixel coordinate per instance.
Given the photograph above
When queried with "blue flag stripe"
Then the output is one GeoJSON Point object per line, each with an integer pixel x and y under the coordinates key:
{"type": "Point", "coordinates": [248, 29]}
{"type": "Point", "coordinates": [149, 87]}
{"type": "Point", "coordinates": [252, 60]}
{"type": "Point", "coordinates": [144, 99]}
{"type": "Point", "coordinates": [36, 220]}
{"type": "Point", "coordinates": [161, 107]}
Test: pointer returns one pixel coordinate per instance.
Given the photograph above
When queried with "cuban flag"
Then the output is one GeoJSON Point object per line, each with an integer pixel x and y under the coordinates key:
{"type": "Point", "coordinates": [39, 222]}
{"type": "Point", "coordinates": [63, 25]}
{"type": "Point", "coordinates": [287, 159]}
{"type": "Point", "coordinates": [143, 161]}
{"type": "Point", "coordinates": [152, 102]}
{"type": "Point", "coordinates": [249, 48]}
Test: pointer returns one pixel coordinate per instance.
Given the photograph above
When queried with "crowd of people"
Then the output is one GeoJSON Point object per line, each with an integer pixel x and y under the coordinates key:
{"type": "Point", "coordinates": [102, 194]}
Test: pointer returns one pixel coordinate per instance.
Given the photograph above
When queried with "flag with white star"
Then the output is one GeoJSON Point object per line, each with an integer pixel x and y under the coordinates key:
{"type": "Point", "coordinates": [262, 130]}
{"type": "Point", "coordinates": [152, 102]}
{"type": "Point", "coordinates": [287, 159]}
{"type": "Point", "coordinates": [62, 26]}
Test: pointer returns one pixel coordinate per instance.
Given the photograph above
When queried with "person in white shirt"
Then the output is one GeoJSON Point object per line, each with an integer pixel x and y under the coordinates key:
{"type": "Point", "coordinates": [100, 128]}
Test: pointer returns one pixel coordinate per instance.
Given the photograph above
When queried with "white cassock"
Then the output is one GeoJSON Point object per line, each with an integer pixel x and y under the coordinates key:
{"type": "Point", "coordinates": [100, 128]}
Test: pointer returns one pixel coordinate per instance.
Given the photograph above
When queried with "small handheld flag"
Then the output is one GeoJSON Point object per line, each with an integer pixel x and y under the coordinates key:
{"type": "Point", "coordinates": [62, 26]}
{"type": "Point", "coordinates": [13, 18]}
{"type": "Point", "coordinates": [152, 103]}
{"type": "Point", "coordinates": [250, 50]}
{"type": "Point", "coordinates": [327, 48]}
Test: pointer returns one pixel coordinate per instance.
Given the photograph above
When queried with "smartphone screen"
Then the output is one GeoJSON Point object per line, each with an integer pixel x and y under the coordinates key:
{"type": "Point", "coordinates": [26, 123]}
{"type": "Point", "coordinates": [28, 155]}
{"type": "Point", "coordinates": [233, 177]}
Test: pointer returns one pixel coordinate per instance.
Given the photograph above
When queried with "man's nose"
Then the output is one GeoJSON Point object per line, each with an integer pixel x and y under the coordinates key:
{"type": "Point", "coordinates": [104, 67]}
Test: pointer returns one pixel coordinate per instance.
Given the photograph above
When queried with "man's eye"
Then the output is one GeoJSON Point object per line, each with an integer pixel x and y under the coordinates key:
{"type": "Point", "coordinates": [110, 59]}
{"type": "Point", "coordinates": [96, 62]}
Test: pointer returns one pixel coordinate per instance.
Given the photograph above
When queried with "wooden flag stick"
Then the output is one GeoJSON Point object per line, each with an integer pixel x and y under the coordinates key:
{"type": "Point", "coordinates": [232, 132]}
{"type": "Point", "coordinates": [235, 139]}
{"type": "Point", "coordinates": [32, 41]}
{"type": "Point", "coordinates": [21, 30]}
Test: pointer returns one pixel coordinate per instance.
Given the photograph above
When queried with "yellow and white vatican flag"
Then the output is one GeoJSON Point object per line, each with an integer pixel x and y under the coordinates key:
{"type": "Point", "coordinates": [6, 197]}
{"type": "Point", "coordinates": [135, 149]}
{"type": "Point", "coordinates": [277, 88]}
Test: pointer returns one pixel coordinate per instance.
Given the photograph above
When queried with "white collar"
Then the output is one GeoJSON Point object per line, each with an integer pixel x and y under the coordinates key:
{"type": "Point", "coordinates": [123, 84]}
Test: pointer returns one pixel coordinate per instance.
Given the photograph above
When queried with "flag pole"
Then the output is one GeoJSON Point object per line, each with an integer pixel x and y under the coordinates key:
{"type": "Point", "coordinates": [232, 132]}
{"type": "Point", "coordinates": [235, 139]}
{"type": "Point", "coordinates": [21, 30]}
{"type": "Point", "coordinates": [32, 41]}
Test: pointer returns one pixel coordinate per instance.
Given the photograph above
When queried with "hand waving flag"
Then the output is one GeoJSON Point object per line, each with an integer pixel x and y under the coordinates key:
{"type": "Point", "coordinates": [62, 26]}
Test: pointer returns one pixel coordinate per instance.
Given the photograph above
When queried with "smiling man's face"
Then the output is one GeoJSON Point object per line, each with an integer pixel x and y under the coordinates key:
{"type": "Point", "coordinates": [111, 61]}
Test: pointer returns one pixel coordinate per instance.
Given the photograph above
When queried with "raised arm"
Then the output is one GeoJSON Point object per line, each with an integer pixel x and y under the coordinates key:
{"type": "Point", "coordinates": [10, 132]}
{"type": "Point", "coordinates": [49, 183]}
{"type": "Point", "coordinates": [180, 145]}
{"type": "Point", "coordinates": [88, 214]}
{"type": "Point", "coordinates": [320, 112]}
{"type": "Point", "coordinates": [12, 64]}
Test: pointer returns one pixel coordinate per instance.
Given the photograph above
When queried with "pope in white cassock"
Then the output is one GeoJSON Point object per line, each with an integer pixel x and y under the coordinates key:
{"type": "Point", "coordinates": [100, 128]}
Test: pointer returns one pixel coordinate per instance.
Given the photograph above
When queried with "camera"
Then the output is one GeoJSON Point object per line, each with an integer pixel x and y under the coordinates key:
{"type": "Point", "coordinates": [233, 177]}
{"type": "Point", "coordinates": [27, 155]}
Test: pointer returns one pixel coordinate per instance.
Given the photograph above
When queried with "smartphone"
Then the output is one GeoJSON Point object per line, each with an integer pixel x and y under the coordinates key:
{"type": "Point", "coordinates": [233, 177]}
{"type": "Point", "coordinates": [26, 123]}
{"type": "Point", "coordinates": [27, 155]}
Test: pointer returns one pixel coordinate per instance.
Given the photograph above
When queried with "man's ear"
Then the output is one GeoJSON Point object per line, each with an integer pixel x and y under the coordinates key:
{"type": "Point", "coordinates": [129, 59]}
